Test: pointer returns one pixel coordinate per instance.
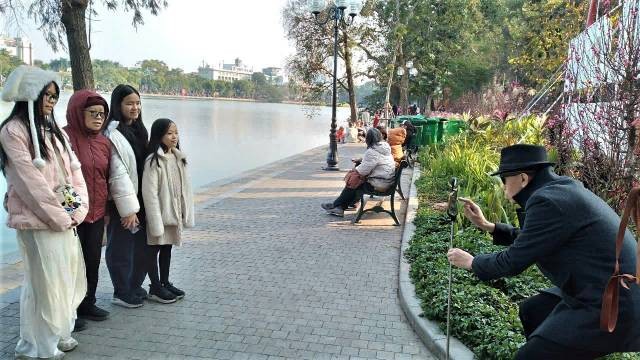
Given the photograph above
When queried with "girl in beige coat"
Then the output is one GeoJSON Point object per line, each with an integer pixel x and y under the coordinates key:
{"type": "Point", "coordinates": [168, 199]}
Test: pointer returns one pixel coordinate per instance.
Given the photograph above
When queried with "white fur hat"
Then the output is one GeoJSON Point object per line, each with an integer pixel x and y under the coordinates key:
{"type": "Point", "coordinates": [25, 84]}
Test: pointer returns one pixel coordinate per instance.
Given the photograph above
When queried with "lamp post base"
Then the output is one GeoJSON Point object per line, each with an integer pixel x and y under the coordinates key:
{"type": "Point", "coordinates": [332, 155]}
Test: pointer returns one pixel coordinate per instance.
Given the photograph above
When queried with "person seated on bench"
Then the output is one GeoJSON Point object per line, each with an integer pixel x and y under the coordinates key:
{"type": "Point", "coordinates": [411, 131]}
{"type": "Point", "coordinates": [395, 138]}
{"type": "Point", "coordinates": [377, 165]}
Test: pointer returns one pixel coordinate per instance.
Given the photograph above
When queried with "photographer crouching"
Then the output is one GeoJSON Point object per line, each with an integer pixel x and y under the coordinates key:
{"type": "Point", "coordinates": [569, 233]}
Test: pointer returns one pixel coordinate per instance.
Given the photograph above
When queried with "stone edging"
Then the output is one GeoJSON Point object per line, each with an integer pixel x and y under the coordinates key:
{"type": "Point", "coordinates": [428, 331]}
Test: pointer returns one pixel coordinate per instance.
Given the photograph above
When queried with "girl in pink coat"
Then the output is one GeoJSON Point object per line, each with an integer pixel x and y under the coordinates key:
{"type": "Point", "coordinates": [44, 215]}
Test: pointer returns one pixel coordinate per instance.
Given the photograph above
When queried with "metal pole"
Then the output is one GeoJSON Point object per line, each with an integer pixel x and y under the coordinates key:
{"type": "Point", "coordinates": [452, 211]}
{"type": "Point", "coordinates": [449, 295]}
{"type": "Point", "coordinates": [387, 98]}
{"type": "Point", "coordinates": [332, 156]}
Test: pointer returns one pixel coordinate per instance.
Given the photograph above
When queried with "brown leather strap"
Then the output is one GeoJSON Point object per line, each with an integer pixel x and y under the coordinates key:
{"type": "Point", "coordinates": [609, 311]}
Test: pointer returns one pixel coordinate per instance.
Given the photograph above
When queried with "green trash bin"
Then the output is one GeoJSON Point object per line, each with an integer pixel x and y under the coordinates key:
{"type": "Point", "coordinates": [398, 120]}
{"type": "Point", "coordinates": [442, 123]}
{"type": "Point", "coordinates": [430, 131]}
{"type": "Point", "coordinates": [454, 127]}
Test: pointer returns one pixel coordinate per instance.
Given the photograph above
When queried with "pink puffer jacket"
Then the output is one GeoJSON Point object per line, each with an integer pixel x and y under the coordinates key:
{"type": "Point", "coordinates": [32, 203]}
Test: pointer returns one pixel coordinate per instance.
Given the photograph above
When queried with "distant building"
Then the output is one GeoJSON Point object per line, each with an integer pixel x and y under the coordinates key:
{"type": "Point", "coordinates": [273, 75]}
{"type": "Point", "coordinates": [19, 47]}
{"type": "Point", "coordinates": [226, 72]}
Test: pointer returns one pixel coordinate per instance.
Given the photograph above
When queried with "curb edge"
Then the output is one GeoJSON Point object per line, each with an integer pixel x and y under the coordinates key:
{"type": "Point", "coordinates": [428, 331]}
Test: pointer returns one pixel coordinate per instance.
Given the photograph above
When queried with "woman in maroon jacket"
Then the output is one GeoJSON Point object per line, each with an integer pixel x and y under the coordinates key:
{"type": "Point", "coordinates": [86, 115]}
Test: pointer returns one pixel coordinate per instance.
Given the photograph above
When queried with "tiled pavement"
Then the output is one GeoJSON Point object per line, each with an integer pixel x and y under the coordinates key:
{"type": "Point", "coordinates": [268, 275]}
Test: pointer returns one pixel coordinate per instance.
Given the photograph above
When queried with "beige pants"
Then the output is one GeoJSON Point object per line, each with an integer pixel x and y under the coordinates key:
{"type": "Point", "coordinates": [54, 285]}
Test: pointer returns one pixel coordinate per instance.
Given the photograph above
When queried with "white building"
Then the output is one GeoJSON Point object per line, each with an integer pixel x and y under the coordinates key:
{"type": "Point", "coordinates": [273, 75]}
{"type": "Point", "coordinates": [18, 47]}
{"type": "Point", "coordinates": [226, 72]}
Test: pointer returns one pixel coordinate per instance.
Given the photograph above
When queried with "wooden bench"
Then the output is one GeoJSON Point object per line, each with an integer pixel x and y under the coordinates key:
{"type": "Point", "coordinates": [391, 192]}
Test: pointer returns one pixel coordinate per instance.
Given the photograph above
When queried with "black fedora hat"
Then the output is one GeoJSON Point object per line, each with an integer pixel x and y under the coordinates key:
{"type": "Point", "coordinates": [522, 157]}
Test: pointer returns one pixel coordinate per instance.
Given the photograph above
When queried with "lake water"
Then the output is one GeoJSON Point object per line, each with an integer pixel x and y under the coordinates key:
{"type": "Point", "coordinates": [221, 138]}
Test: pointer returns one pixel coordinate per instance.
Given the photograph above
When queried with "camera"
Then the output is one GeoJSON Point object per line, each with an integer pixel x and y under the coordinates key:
{"type": "Point", "coordinates": [452, 203]}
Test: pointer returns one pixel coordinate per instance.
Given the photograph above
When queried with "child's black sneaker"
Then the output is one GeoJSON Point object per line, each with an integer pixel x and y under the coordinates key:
{"type": "Point", "coordinates": [161, 294]}
{"type": "Point", "coordinates": [177, 292]}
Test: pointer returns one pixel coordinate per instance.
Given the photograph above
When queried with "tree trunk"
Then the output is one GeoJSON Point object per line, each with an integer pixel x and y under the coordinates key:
{"type": "Point", "coordinates": [388, 114]}
{"type": "Point", "coordinates": [73, 18]}
{"type": "Point", "coordinates": [387, 104]}
{"type": "Point", "coordinates": [427, 105]}
{"type": "Point", "coordinates": [350, 88]}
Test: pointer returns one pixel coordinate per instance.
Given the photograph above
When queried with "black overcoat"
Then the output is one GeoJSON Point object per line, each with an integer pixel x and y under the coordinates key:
{"type": "Point", "coordinates": [569, 233]}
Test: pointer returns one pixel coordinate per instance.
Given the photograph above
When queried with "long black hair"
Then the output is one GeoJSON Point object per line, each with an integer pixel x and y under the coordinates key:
{"type": "Point", "coordinates": [135, 133]}
{"type": "Point", "coordinates": [20, 112]}
{"type": "Point", "coordinates": [159, 129]}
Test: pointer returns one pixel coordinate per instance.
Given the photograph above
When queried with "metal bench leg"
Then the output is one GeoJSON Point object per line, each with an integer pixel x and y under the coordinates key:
{"type": "Point", "coordinates": [393, 211]}
{"type": "Point", "coordinates": [399, 190]}
{"type": "Point", "coordinates": [360, 209]}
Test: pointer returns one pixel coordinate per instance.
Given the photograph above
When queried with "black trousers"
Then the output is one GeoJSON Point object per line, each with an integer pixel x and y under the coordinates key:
{"type": "Point", "coordinates": [533, 311]}
{"type": "Point", "coordinates": [126, 254]}
{"type": "Point", "coordinates": [159, 255]}
{"type": "Point", "coordinates": [349, 196]}
{"type": "Point", "coordinates": [90, 235]}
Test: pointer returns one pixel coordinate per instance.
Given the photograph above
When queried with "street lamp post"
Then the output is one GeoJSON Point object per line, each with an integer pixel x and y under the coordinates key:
{"type": "Point", "coordinates": [336, 13]}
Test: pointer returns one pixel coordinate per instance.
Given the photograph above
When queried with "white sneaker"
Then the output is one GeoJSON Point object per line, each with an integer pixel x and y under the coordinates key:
{"type": "Point", "coordinates": [67, 344]}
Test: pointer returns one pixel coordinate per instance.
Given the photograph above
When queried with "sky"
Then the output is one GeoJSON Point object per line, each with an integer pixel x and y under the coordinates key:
{"type": "Point", "coordinates": [185, 34]}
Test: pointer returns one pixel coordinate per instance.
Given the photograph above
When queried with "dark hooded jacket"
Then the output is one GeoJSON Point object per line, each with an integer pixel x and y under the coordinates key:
{"type": "Point", "coordinates": [569, 233]}
{"type": "Point", "coordinates": [93, 150]}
